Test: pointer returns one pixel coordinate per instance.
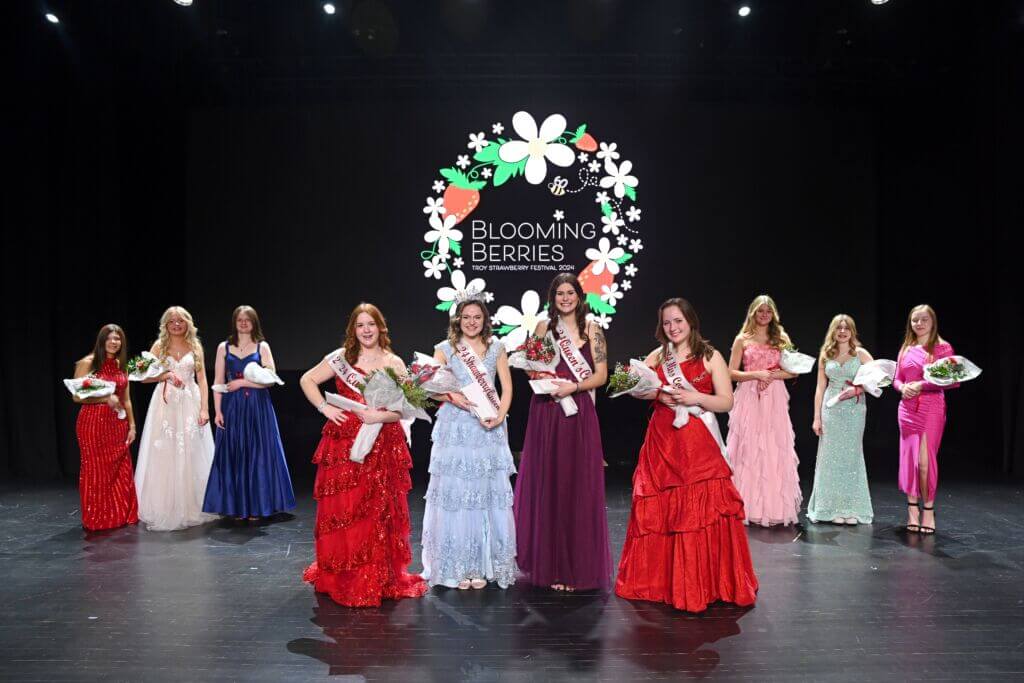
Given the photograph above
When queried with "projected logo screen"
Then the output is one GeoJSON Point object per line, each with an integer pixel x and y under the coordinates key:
{"type": "Point", "coordinates": [517, 208]}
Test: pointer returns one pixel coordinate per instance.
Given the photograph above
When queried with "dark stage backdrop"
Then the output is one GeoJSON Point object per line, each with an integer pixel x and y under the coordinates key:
{"type": "Point", "coordinates": [137, 189]}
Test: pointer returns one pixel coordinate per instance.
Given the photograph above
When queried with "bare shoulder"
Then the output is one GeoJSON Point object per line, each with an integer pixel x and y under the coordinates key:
{"type": "Point", "coordinates": [395, 363]}
{"type": "Point", "coordinates": [716, 360]}
{"type": "Point", "coordinates": [863, 354]}
{"type": "Point", "coordinates": [653, 358]}
{"type": "Point", "coordinates": [541, 329]}
{"type": "Point", "coordinates": [84, 362]}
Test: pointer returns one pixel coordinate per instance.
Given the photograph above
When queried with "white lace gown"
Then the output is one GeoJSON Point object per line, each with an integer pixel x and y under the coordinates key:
{"type": "Point", "coordinates": [175, 454]}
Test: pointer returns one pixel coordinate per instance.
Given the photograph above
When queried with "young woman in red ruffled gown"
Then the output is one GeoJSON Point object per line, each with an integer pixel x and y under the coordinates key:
{"type": "Point", "coordinates": [685, 543]}
{"type": "Point", "coordinates": [105, 482]}
{"type": "Point", "coordinates": [362, 516]}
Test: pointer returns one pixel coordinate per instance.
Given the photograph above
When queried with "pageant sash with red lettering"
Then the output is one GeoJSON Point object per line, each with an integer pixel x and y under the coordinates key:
{"type": "Point", "coordinates": [573, 357]}
{"type": "Point", "coordinates": [674, 375]}
{"type": "Point", "coordinates": [349, 375]}
{"type": "Point", "coordinates": [472, 362]}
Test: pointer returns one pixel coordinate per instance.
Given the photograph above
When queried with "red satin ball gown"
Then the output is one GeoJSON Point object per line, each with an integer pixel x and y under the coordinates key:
{"type": "Point", "coordinates": [362, 516]}
{"type": "Point", "coordinates": [685, 543]}
{"type": "Point", "coordinates": [105, 481]}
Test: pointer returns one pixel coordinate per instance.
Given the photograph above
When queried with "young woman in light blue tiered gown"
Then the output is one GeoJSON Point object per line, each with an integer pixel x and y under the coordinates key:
{"type": "Point", "coordinates": [469, 534]}
{"type": "Point", "coordinates": [840, 492]}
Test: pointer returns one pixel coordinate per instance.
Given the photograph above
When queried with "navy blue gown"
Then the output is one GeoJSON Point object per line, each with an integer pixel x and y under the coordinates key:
{"type": "Point", "coordinates": [249, 477]}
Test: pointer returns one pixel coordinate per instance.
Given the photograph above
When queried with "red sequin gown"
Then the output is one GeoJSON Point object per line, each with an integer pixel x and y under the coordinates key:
{"type": "Point", "coordinates": [362, 516]}
{"type": "Point", "coordinates": [685, 543]}
{"type": "Point", "coordinates": [105, 482]}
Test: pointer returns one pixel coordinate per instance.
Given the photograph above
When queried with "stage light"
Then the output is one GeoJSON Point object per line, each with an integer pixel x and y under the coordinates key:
{"type": "Point", "coordinates": [744, 11]}
{"type": "Point", "coordinates": [183, 3]}
{"type": "Point", "coordinates": [879, 2]}
{"type": "Point", "coordinates": [52, 18]}
{"type": "Point", "coordinates": [329, 8]}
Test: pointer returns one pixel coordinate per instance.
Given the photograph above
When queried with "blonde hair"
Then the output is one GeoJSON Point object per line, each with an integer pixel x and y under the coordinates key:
{"type": "Point", "coordinates": [777, 336]}
{"type": "Point", "coordinates": [163, 339]}
{"type": "Point", "coordinates": [910, 337]}
{"type": "Point", "coordinates": [830, 347]}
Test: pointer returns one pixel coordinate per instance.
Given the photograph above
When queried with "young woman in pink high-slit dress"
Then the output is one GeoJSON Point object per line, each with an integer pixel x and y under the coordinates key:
{"type": "Point", "coordinates": [922, 416]}
{"type": "Point", "coordinates": [761, 442]}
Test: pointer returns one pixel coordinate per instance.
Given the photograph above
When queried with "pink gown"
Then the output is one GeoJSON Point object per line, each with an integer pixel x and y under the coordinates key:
{"type": "Point", "coordinates": [761, 444]}
{"type": "Point", "coordinates": [921, 416]}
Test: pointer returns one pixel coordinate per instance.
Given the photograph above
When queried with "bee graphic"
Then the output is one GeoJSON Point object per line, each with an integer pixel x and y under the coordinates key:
{"type": "Point", "coordinates": [558, 185]}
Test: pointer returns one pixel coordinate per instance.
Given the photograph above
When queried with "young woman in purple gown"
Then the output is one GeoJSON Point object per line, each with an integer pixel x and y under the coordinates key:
{"type": "Point", "coordinates": [561, 524]}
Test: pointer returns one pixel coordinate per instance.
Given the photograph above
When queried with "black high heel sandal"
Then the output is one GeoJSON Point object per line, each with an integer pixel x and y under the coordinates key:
{"type": "Point", "coordinates": [913, 528]}
{"type": "Point", "coordinates": [927, 530]}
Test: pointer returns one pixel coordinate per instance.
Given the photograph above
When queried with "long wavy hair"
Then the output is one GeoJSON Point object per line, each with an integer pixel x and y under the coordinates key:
{"type": "Point", "coordinates": [351, 344]}
{"type": "Point", "coordinates": [698, 345]}
{"type": "Point", "coordinates": [830, 347]}
{"type": "Point", "coordinates": [455, 324]}
{"type": "Point", "coordinates": [582, 309]}
{"type": "Point", "coordinates": [910, 337]}
{"type": "Point", "coordinates": [99, 349]}
{"type": "Point", "coordinates": [777, 336]}
{"type": "Point", "coordinates": [163, 339]}
{"type": "Point", "coordinates": [257, 330]}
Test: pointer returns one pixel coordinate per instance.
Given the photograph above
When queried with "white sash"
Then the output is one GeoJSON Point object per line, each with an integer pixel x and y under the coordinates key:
{"type": "Point", "coordinates": [574, 358]}
{"type": "Point", "coordinates": [471, 361]}
{"type": "Point", "coordinates": [349, 375]}
{"type": "Point", "coordinates": [674, 375]}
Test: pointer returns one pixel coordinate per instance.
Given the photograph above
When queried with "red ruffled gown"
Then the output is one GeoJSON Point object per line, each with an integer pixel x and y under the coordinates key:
{"type": "Point", "coordinates": [685, 544]}
{"type": "Point", "coordinates": [106, 484]}
{"type": "Point", "coordinates": [362, 516]}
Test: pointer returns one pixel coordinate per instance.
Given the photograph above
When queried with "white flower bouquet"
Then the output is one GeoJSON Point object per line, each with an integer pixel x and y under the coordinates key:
{"type": "Point", "coordinates": [91, 386]}
{"type": "Point", "coordinates": [950, 370]}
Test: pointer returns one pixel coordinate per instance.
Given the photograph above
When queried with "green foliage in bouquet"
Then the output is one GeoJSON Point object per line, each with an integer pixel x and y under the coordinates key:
{"type": "Point", "coordinates": [139, 365]}
{"type": "Point", "coordinates": [948, 369]}
{"type": "Point", "coordinates": [622, 379]}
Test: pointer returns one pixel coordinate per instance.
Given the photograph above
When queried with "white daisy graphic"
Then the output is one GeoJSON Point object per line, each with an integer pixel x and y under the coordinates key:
{"type": "Point", "coordinates": [607, 151]}
{"type": "Point", "coordinates": [618, 177]}
{"type": "Point", "coordinates": [434, 206]}
{"type": "Point", "coordinates": [627, 285]}
{"type": "Point", "coordinates": [601, 198]}
{"type": "Point", "coordinates": [622, 239]}
{"type": "Point", "coordinates": [443, 232]}
{"type": "Point", "coordinates": [558, 214]}
{"type": "Point", "coordinates": [610, 293]}
{"type": "Point", "coordinates": [604, 257]}
{"type": "Point", "coordinates": [460, 290]}
{"type": "Point", "coordinates": [438, 186]}
{"type": "Point", "coordinates": [612, 223]}
{"type": "Point", "coordinates": [457, 262]}
{"type": "Point", "coordinates": [537, 146]}
{"type": "Point", "coordinates": [594, 166]}
{"type": "Point", "coordinates": [602, 320]}
{"type": "Point", "coordinates": [582, 157]}
{"type": "Point", "coordinates": [434, 268]}
{"type": "Point", "coordinates": [524, 318]}
{"type": "Point", "coordinates": [636, 245]}
{"type": "Point", "coordinates": [633, 214]}
{"type": "Point", "coordinates": [631, 270]}
{"type": "Point", "coordinates": [497, 128]}
{"type": "Point", "coordinates": [486, 173]}
{"type": "Point", "coordinates": [477, 142]}
{"type": "Point", "coordinates": [462, 161]}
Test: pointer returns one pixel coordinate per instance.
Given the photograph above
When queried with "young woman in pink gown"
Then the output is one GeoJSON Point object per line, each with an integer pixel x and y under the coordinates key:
{"type": "Point", "coordinates": [761, 439]}
{"type": "Point", "coordinates": [922, 416]}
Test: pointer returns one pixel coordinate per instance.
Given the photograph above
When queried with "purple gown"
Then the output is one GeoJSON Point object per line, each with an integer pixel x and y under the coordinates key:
{"type": "Point", "coordinates": [561, 524]}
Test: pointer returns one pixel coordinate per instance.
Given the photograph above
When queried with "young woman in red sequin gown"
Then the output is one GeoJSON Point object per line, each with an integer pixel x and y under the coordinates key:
{"type": "Point", "coordinates": [362, 517]}
{"type": "Point", "coordinates": [686, 544]}
{"type": "Point", "coordinates": [105, 482]}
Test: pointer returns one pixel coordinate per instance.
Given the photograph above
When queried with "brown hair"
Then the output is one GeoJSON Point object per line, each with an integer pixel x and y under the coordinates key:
{"type": "Point", "coordinates": [582, 309]}
{"type": "Point", "coordinates": [99, 350]}
{"type": "Point", "coordinates": [777, 336]}
{"type": "Point", "coordinates": [910, 337]}
{"type": "Point", "coordinates": [257, 330]}
{"type": "Point", "coordinates": [698, 345]}
{"type": "Point", "coordinates": [455, 324]}
{"type": "Point", "coordinates": [830, 347]}
{"type": "Point", "coordinates": [351, 344]}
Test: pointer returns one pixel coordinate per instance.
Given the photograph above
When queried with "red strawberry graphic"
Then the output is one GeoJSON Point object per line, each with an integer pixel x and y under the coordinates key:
{"type": "Point", "coordinates": [461, 196]}
{"type": "Point", "coordinates": [587, 143]}
{"type": "Point", "coordinates": [460, 202]}
{"type": "Point", "coordinates": [591, 283]}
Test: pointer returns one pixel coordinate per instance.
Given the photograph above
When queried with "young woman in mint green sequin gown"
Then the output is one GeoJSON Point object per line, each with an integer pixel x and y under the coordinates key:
{"type": "Point", "coordinates": [840, 492]}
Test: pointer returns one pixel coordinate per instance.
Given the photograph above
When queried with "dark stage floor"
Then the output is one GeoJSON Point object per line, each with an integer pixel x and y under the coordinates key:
{"type": "Point", "coordinates": [225, 602]}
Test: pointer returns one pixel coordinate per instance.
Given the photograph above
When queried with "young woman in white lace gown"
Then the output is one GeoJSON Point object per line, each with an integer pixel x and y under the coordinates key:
{"type": "Point", "coordinates": [176, 449]}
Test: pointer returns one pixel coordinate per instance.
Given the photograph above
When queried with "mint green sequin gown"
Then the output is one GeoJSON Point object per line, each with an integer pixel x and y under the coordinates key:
{"type": "Point", "coordinates": [840, 479]}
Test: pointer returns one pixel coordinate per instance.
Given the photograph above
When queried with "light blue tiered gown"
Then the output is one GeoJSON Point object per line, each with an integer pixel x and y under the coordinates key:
{"type": "Point", "coordinates": [840, 479]}
{"type": "Point", "coordinates": [468, 528]}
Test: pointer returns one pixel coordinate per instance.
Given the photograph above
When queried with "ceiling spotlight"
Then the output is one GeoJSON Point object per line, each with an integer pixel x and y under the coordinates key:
{"type": "Point", "coordinates": [329, 8]}
{"type": "Point", "coordinates": [183, 3]}
{"type": "Point", "coordinates": [52, 18]}
{"type": "Point", "coordinates": [744, 11]}
{"type": "Point", "coordinates": [879, 2]}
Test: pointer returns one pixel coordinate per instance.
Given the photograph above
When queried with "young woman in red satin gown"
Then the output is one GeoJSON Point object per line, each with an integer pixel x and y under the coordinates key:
{"type": "Point", "coordinates": [685, 543]}
{"type": "Point", "coordinates": [105, 482]}
{"type": "Point", "coordinates": [362, 515]}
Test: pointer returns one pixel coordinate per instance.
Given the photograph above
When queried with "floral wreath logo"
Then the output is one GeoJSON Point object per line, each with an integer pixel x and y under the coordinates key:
{"type": "Point", "coordinates": [500, 160]}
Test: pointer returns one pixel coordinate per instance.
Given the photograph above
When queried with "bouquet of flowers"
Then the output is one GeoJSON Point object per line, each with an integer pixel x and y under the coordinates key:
{"type": "Point", "coordinates": [384, 390]}
{"type": "Point", "coordinates": [144, 366]}
{"type": "Point", "coordinates": [91, 386]}
{"type": "Point", "coordinates": [434, 377]}
{"type": "Point", "coordinates": [538, 354]}
{"type": "Point", "coordinates": [950, 370]}
{"type": "Point", "coordinates": [873, 376]}
{"type": "Point", "coordinates": [255, 373]}
{"type": "Point", "coordinates": [794, 362]}
{"type": "Point", "coordinates": [636, 379]}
